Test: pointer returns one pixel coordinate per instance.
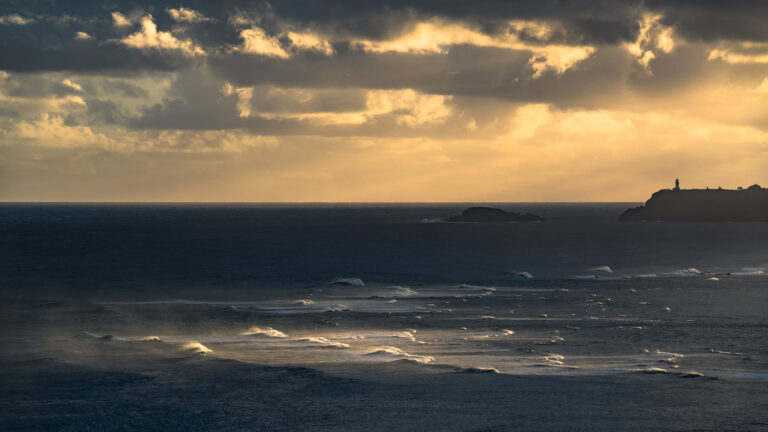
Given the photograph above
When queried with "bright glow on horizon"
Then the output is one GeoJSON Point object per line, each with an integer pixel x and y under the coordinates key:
{"type": "Point", "coordinates": [254, 106]}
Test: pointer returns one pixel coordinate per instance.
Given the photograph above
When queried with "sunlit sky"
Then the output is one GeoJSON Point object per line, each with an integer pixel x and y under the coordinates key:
{"type": "Point", "coordinates": [354, 100]}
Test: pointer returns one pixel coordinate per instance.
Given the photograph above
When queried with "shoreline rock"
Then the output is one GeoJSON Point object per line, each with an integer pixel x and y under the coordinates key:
{"type": "Point", "coordinates": [703, 205]}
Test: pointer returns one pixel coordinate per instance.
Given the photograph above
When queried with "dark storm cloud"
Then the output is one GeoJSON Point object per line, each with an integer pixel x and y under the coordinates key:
{"type": "Point", "coordinates": [464, 70]}
{"type": "Point", "coordinates": [713, 20]}
{"type": "Point", "coordinates": [48, 43]}
{"type": "Point", "coordinates": [46, 46]}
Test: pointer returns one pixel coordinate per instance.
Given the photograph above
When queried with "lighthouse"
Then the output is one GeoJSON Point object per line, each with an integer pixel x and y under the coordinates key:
{"type": "Point", "coordinates": [677, 184]}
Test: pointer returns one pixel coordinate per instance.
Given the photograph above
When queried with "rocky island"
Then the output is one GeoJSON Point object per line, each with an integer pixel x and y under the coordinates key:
{"type": "Point", "coordinates": [703, 205]}
{"type": "Point", "coordinates": [489, 214]}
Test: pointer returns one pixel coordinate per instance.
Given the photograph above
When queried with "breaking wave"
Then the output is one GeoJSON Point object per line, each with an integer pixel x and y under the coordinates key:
{"type": "Point", "coordinates": [269, 332]}
{"type": "Point", "coordinates": [324, 342]}
{"type": "Point", "coordinates": [398, 354]}
{"type": "Point", "coordinates": [197, 348]}
{"type": "Point", "coordinates": [348, 281]}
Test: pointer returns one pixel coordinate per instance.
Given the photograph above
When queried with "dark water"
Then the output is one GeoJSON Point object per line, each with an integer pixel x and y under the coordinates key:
{"type": "Point", "coordinates": [134, 316]}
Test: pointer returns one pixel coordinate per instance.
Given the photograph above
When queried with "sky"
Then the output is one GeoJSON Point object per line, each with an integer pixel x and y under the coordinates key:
{"type": "Point", "coordinates": [380, 101]}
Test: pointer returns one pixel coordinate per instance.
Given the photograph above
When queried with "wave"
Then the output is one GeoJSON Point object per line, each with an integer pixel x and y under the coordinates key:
{"type": "Point", "coordinates": [749, 271]}
{"type": "Point", "coordinates": [717, 351]}
{"type": "Point", "coordinates": [91, 336]}
{"type": "Point", "coordinates": [398, 354]}
{"type": "Point", "coordinates": [197, 348]}
{"type": "Point", "coordinates": [651, 370]}
{"type": "Point", "coordinates": [304, 302]}
{"type": "Point", "coordinates": [520, 274]}
{"type": "Point", "coordinates": [324, 342]}
{"type": "Point", "coordinates": [603, 269]}
{"type": "Point", "coordinates": [691, 271]}
{"type": "Point", "coordinates": [553, 359]}
{"type": "Point", "coordinates": [269, 332]}
{"type": "Point", "coordinates": [397, 292]}
{"type": "Point", "coordinates": [478, 370]}
{"type": "Point", "coordinates": [644, 276]}
{"type": "Point", "coordinates": [348, 281]}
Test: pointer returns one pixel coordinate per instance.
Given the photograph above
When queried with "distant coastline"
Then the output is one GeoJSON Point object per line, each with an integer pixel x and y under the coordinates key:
{"type": "Point", "coordinates": [703, 205]}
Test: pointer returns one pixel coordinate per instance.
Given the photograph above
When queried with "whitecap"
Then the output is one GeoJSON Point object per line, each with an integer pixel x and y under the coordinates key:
{"type": "Point", "coordinates": [644, 276]}
{"type": "Point", "coordinates": [197, 348]}
{"type": "Point", "coordinates": [553, 359]}
{"type": "Point", "coordinates": [150, 339]}
{"type": "Point", "coordinates": [749, 271]}
{"type": "Point", "coordinates": [269, 332]}
{"type": "Point", "coordinates": [522, 274]}
{"type": "Point", "coordinates": [668, 357]}
{"type": "Point", "coordinates": [604, 269]}
{"type": "Point", "coordinates": [652, 370]}
{"type": "Point", "coordinates": [397, 353]}
{"type": "Point", "coordinates": [716, 351]}
{"type": "Point", "coordinates": [304, 302]}
{"type": "Point", "coordinates": [686, 272]}
{"type": "Point", "coordinates": [401, 291]}
{"type": "Point", "coordinates": [324, 342]}
{"type": "Point", "coordinates": [348, 281]}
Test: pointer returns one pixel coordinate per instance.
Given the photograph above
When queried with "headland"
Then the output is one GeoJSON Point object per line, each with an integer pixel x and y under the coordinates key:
{"type": "Point", "coordinates": [703, 205]}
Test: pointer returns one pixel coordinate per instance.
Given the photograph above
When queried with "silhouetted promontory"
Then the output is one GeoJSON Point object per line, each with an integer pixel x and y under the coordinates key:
{"type": "Point", "coordinates": [703, 205]}
{"type": "Point", "coordinates": [489, 214]}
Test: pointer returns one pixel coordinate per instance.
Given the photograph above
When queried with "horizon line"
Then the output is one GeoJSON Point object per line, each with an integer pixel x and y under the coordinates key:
{"type": "Point", "coordinates": [319, 202]}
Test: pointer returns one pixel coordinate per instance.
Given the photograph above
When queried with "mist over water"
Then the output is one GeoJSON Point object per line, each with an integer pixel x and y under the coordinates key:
{"type": "Point", "coordinates": [384, 301]}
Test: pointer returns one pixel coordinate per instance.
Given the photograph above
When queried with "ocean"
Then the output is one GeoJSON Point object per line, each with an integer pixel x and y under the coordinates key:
{"type": "Point", "coordinates": [378, 317]}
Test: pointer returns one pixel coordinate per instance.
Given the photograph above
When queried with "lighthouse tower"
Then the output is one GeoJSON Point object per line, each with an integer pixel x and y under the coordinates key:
{"type": "Point", "coordinates": [677, 184]}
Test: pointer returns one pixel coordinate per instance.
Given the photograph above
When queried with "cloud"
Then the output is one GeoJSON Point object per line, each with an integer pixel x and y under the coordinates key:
{"type": "Point", "coordinates": [256, 41]}
{"type": "Point", "coordinates": [185, 15]}
{"type": "Point", "coordinates": [15, 19]}
{"type": "Point", "coordinates": [491, 99]}
{"type": "Point", "coordinates": [763, 88]}
{"type": "Point", "coordinates": [119, 20]}
{"type": "Point", "coordinates": [149, 38]}
{"type": "Point", "coordinates": [51, 131]}
{"type": "Point", "coordinates": [310, 41]}
{"type": "Point", "coordinates": [437, 36]}
{"type": "Point", "coordinates": [74, 86]}
{"type": "Point", "coordinates": [652, 38]}
{"type": "Point", "coordinates": [741, 52]}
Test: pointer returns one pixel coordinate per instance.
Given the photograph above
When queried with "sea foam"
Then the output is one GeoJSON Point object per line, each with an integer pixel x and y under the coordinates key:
{"type": "Point", "coordinates": [269, 332]}
{"type": "Point", "coordinates": [398, 354]}
{"type": "Point", "coordinates": [197, 348]}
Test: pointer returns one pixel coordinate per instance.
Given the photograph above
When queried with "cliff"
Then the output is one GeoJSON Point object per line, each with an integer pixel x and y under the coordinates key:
{"type": "Point", "coordinates": [488, 214]}
{"type": "Point", "coordinates": [703, 205]}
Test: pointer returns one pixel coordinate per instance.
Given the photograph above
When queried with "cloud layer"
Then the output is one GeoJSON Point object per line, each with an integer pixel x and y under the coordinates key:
{"type": "Point", "coordinates": [416, 101]}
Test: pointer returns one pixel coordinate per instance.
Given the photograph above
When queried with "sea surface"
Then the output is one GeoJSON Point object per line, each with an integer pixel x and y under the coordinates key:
{"type": "Point", "coordinates": [378, 317]}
